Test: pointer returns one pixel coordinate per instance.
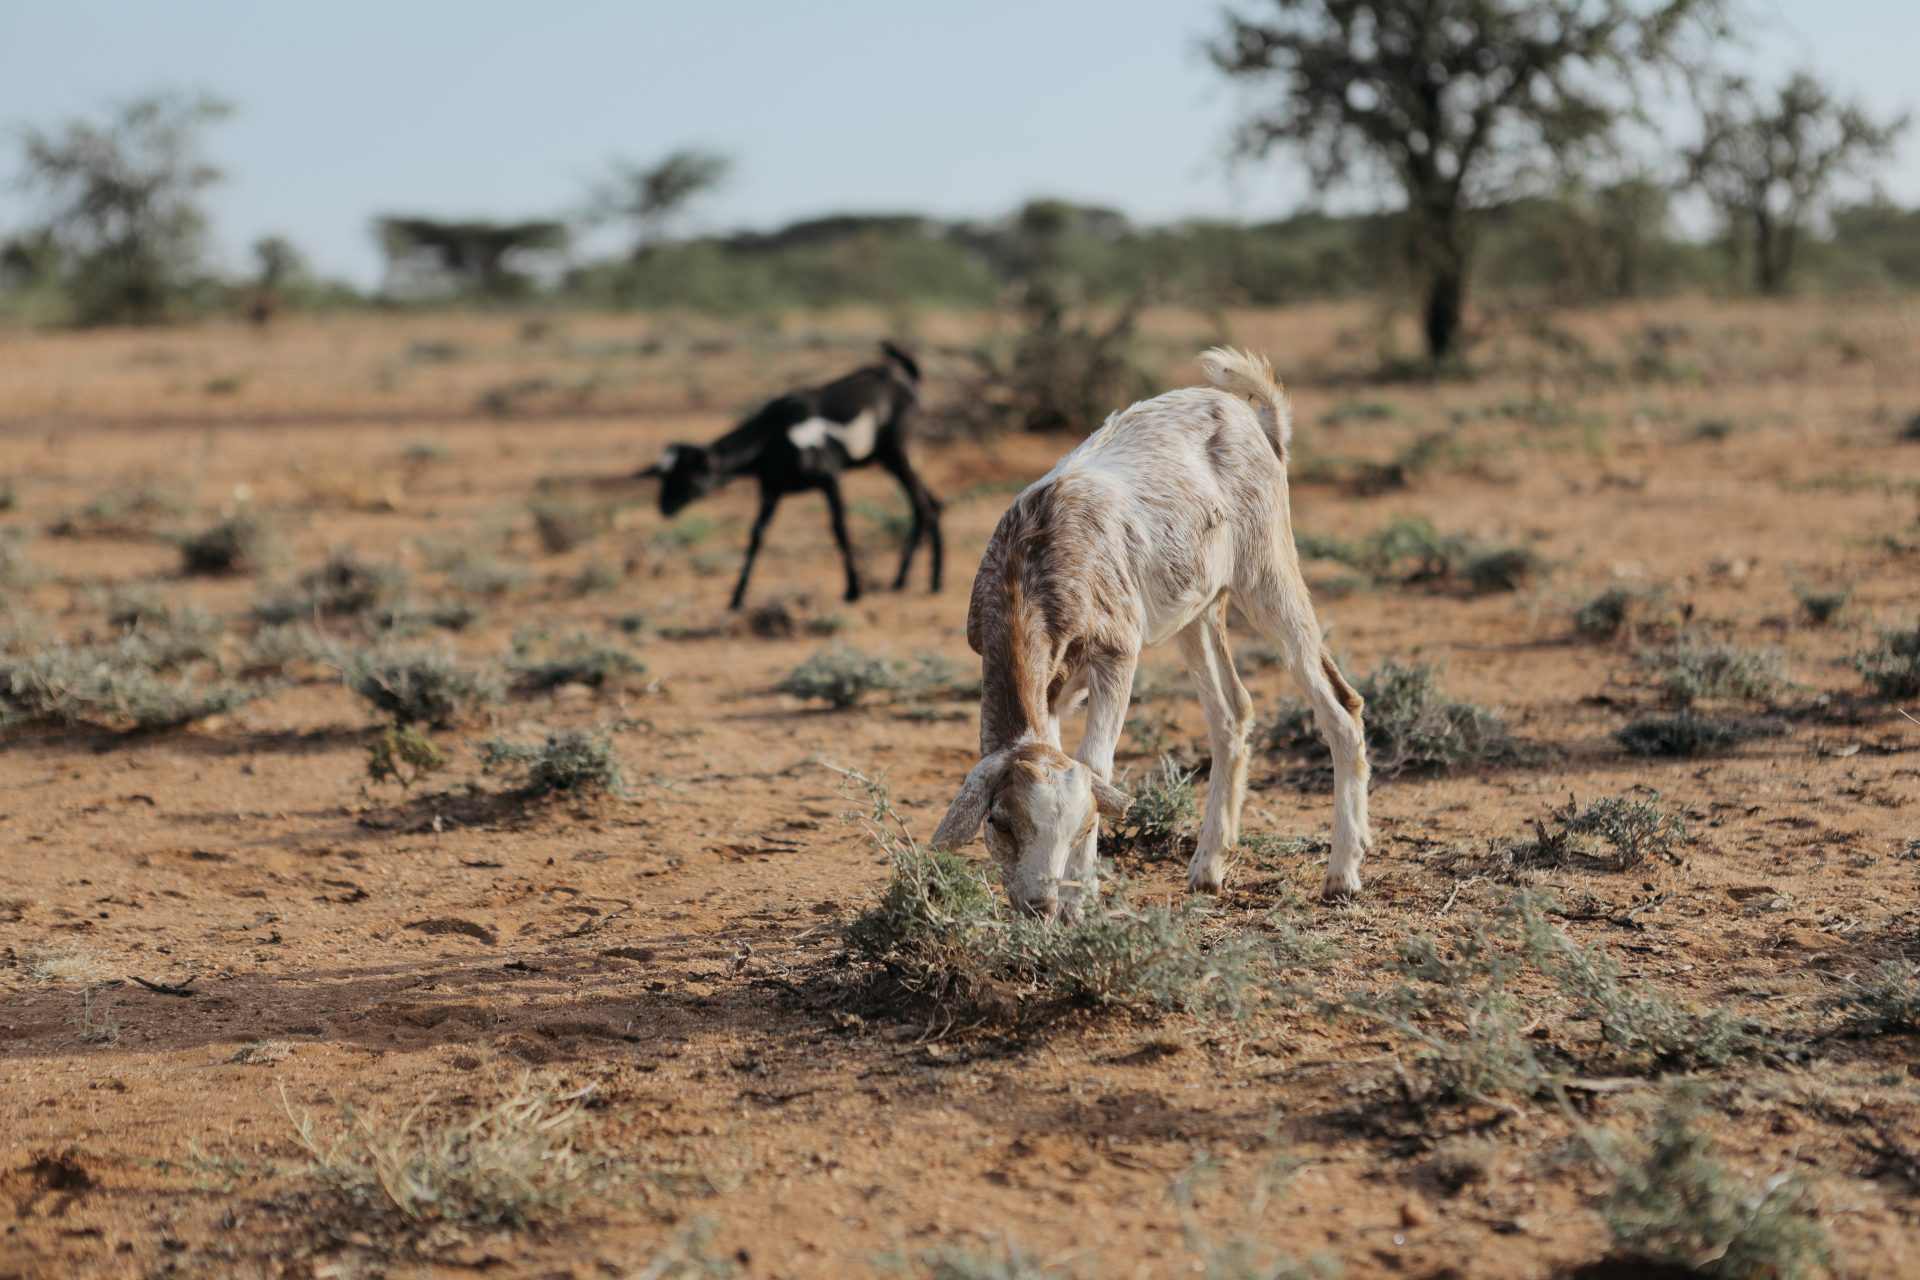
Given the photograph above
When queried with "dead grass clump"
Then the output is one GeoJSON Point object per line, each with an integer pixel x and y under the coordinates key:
{"type": "Point", "coordinates": [66, 966]}
{"type": "Point", "coordinates": [1888, 1000]}
{"type": "Point", "coordinates": [840, 675]}
{"type": "Point", "coordinates": [1821, 606]}
{"type": "Point", "coordinates": [563, 525]}
{"type": "Point", "coordinates": [940, 934]}
{"type": "Point", "coordinates": [1687, 734]}
{"type": "Point", "coordinates": [237, 544]}
{"type": "Point", "coordinates": [1411, 724]}
{"type": "Point", "coordinates": [1690, 672]}
{"type": "Point", "coordinates": [570, 761]}
{"type": "Point", "coordinates": [576, 658]}
{"type": "Point", "coordinates": [524, 1160]}
{"type": "Point", "coordinates": [1893, 667]}
{"type": "Point", "coordinates": [418, 686]}
{"type": "Point", "coordinates": [402, 754]}
{"type": "Point", "coordinates": [1679, 1206]}
{"type": "Point", "coordinates": [1163, 807]}
{"type": "Point", "coordinates": [1613, 833]}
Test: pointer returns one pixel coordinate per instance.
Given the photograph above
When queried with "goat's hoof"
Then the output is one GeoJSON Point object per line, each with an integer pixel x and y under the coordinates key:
{"type": "Point", "coordinates": [1206, 880]}
{"type": "Point", "coordinates": [1340, 888]}
{"type": "Point", "coordinates": [853, 594]}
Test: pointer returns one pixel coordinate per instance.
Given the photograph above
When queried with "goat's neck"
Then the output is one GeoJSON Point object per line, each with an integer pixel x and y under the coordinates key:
{"type": "Point", "coordinates": [1016, 674]}
{"type": "Point", "coordinates": [740, 450]}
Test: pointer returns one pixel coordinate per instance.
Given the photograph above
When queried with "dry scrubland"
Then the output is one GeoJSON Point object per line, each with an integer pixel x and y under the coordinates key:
{"type": "Point", "coordinates": [508, 1020]}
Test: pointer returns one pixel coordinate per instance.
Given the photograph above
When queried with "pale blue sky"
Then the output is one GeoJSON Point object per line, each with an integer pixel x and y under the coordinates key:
{"type": "Point", "coordinates": [488, 109]}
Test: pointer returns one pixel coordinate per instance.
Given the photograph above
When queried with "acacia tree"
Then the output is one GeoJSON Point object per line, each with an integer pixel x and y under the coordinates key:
{"type": "Point", "coordinates": [1459, 102]}
{"type": "Point", "coordinates": [122, 196]}
{"type": "Point", "coordinates": [1768, 166]}
{"type": "Point", "coordinates": [479, 257]}
{"type": "Point", "coordinates": [650, 197]}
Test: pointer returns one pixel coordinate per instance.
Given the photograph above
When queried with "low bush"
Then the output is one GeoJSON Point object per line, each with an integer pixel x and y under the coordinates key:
{"type": "Point", "coordinates": [1613, 833]}
{"type": "Point", "coordinates": [342, 586]}
{"type": "Point", "coordinates": [840, 675]}
{"type": "Point", "coordinates": [404, 755]}
{"type": "Point", "coordinates": [1620, 609]}
{"type": "Point", "coordinates": [1821, 606]}
{"type": "Point", "coordinates": [1893, 667]}
{"type": "Point", "coordinates": [570, 761]}
{"type": "Point", "coordinates": [940, 933]}
{"type": "Point", "coordinates": [1411, 550]}
{"type": "Point", "coordinates": [112, 687]}
{"type": "Point", "coordinates": [1689, 672]}
{"type": "Point", "coordinates": [237, 544]}
{"type": "Point", "coordinates": [1888, 1000]}
{"type": "Point", "coordinates": [1677, 1205]}
{"type": "Point", "coordinates": [576, 658]}
{"type": "Point", "coordinates": [1411, 724]}
{"type": "Point", "coordinates": [1163, 807]}
{"type": "Point", "coordinates": [1687, 734]}
{"type": "Point", "coordinates": [418, 686]}
{"type": "Point", "coordinates": [564, 525]}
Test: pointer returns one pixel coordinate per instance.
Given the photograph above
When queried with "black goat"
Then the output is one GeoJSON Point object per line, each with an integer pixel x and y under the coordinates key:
{"type": "Point", "coordinates": [804, 440]}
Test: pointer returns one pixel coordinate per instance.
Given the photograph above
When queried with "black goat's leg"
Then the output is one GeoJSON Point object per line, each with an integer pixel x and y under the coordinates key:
{"type": "Point", "coordinates": [768, 501]}
{"type": "Point", "coordinates": [837, 513]}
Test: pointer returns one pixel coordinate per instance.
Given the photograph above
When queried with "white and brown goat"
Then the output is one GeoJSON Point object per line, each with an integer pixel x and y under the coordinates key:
{"type": "Point", "coordinates": [1137, 537]}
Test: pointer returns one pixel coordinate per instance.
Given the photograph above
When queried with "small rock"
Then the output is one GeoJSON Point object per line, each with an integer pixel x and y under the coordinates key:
{"type": "Point", "coordinates": [1414, 1213]}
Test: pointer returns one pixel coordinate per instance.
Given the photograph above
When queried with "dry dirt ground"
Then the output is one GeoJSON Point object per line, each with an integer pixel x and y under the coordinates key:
{"type": "Point", "coordinates": [352, 953]}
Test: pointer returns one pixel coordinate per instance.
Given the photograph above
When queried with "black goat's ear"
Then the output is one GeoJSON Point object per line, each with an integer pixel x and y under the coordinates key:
{"type": "Point", "coordinates": [649, 473]}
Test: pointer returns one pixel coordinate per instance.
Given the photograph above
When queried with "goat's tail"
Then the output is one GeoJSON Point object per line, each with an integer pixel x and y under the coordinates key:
{"type": "Point", "coordinates": [902, 359]}
{"type": "Point", "coordinates": [1246, 374]}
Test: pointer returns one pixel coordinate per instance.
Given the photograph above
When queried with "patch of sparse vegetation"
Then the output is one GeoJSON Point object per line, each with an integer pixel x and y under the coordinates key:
{"type": "Point", "coordinates": [940, 934]}
{"type": "Point", "coordinates": [1821, 606]}
{"type": "Point", "coordinates": [1678, 1205]}
{"type": "Point", "coordinates": [402, 754]}
{"type": "Point", "coordinates": [570, 760]}
{"type": "Point", "coordinates": [1687, 734]}
{"type": "Point", "coordinates": [1620, 609]}
{"type": "Point", "coordinates": [933, 678]}
{"type": "Point", "coordinates": [564, 525]}
{"type": "Point", "coordinates": [342, 586]}
{"type": "Point", "coordinates": [596, 577]}
{"type": "Point", "coordinates": [1409, 549]}
{"type": "Point", "coordinates": [575, 658]}
{"type": "Point", "coordinates": [840, 675]}
{"type": "Point", "coordinates": [1149, 732]}
{"type": "Point", "coordinates": [1690, 672]}
{"type": "Point", "coordinates": [66, 966]}
{"type": "Point", "coordinates": [488, 577]}
{"type": "Point", "coordinates": [238, 544]}
{"type": "Point", "coordinates": [526, 1159]}
{"type": "Point", "coordinates": [134, 509]}
{"type": "Point", "coordinates": [113, 687]}
{"type": "Point", "coordinates": [1411, 724]}
{"type": "Point", "coordinates": [1893, 666]}
{"type": "Point", "coordinates": [1887, 1000]}
{"type": "Point", "coordinates": [1613, 833]}
{"type": "Point", "coordinates": [94, 1025]}
{"type": "Point", "coordinates": [1163, 807]}
{"type": "Point", "coordinates": [418, 686]}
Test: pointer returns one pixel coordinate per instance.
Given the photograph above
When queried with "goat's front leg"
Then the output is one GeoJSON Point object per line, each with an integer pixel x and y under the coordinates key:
{"type": "Point", "coordinates": [1109, 688]}
{"type": "Point", "coordinates": [1229, 710]}
{"type": "Point", "coordinates": [837, 514]}
{"type": "Point", "coordinates": [768, 501]}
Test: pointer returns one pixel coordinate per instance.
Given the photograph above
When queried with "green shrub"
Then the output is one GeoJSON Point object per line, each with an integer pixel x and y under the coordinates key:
{"type": "Point", "coordinates": [1686, 734]}
{"type": "Point", "coordinates": [132, 510]}
{"type": "Point", "coordinates": [1411, 724]}
{"type": "Point", "coordinates": [111, 687]}
{"type": "Point", "coordinates": [1821, 606]}
{"type": "Point", "coordinates": [1893, 668]}
{"type": "Point", "coordinates": [570, 761]}
{"type": "Point", "coordinates": [840, 675]}
{"type": "Point", "coordinates": [1617, 609]}
{"type": "Point", "coordinates": [1410, 549]}
{"type": "Point", "coordinates": [239, 543]}
{"type": "Point", "coordinates": [1679, 1206]}
{"type": "Point", "coordinates": [1889, 1000]}
{"type": "Point", "coordinates": [941, 933]}
{"type": "Point", "coordinates": [1689, 672]}
{"type": "Point", "coordinates": [488, 577]}
{"type": "Point", "coordinates": [933, 678]}
{"type": "Point", "coordinates": [418, 686]}
{"type": "Point", "coordinates": [1612, 833]}
{"type": "Point", "coordinates": [1163, 807]}
{"type": "Point", "coordinates": [402, 754]}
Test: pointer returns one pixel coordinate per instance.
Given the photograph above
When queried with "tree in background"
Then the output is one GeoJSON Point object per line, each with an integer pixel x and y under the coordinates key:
{"type": "Point", "coordinates": [1769, 166]}
{"type": "Point", "coordinates": [123, 214]}
{"type": "Point", "coordinates": [275, 262]}
{"type": "Point", "coordinates": [1459, 102]}
{"type": "Point", "coordinates": [477, 257]}
{"type": "Point", "coordinates": [650, 198]}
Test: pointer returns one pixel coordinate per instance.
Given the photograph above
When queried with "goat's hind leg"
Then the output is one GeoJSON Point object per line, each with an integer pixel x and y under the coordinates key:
{"type": "Point", "coordinates": [1277, 604]}
{"type": "Point", "coordinates": [1209, 659]}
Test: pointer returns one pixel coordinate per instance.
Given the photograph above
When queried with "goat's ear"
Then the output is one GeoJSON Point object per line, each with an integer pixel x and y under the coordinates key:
{"type": "Point", "coordinates": [1110, 800]}
{"type": "Point", "coordinates": [969, 808]}
{"type": "Point", "coordinates": [649, 473]}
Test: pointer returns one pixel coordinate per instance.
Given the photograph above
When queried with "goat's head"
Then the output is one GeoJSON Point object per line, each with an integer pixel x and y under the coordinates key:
{"type": "Point", "coordinates": [1037, 804]}
{"type": "Point", "coordinates": [686, 472]}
